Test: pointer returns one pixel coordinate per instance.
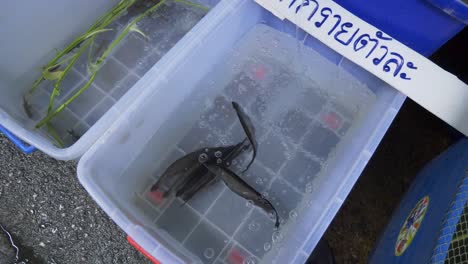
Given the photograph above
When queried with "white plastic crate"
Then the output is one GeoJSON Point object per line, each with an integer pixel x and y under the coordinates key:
{"type": "Point", "coordinates": [319, 118]}
{"type": "Point", "coordinates": [24, 49]}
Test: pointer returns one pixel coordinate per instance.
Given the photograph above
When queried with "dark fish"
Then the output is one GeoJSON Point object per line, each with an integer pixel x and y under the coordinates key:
{"type": "Point", "coordinates": [249, 130]}
{"type": "Point", "coordinates": [176, 176]}
{"type": "Point", "coordinates": [27, 108]}
{"type": "Point", "coordinates": [243, 189]}
{"type": "Point", "coordinates": [186, 179]}
{"type": "Point", "coordinates": [206, 177]}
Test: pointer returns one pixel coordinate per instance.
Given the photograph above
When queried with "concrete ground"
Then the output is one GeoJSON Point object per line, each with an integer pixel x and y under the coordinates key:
{"type": "Point", "coordinates": [54, 220]}
{"type": "Point", "coordinates": [52, 217]}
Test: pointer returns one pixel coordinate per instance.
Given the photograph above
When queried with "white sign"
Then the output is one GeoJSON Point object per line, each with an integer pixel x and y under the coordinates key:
{"type": "Point", "coordinates": [439, 91]}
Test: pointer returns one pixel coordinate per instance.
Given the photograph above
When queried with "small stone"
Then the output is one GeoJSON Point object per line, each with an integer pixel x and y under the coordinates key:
{"type": "Point", "coordinates": [42, 244]}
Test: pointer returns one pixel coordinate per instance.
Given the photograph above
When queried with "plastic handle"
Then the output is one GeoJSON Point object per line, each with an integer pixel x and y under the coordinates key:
{"type": "Point", "coordinates": [142, 250]}
{"type": "Point", "coordinates": [27, 149]}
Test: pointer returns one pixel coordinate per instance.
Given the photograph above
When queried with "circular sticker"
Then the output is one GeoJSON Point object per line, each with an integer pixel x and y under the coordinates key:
{"type": "Point", "coordinates": [410, 227]}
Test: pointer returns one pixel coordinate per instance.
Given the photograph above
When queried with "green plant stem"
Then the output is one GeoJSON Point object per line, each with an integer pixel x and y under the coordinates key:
{"type": "Point", "coordinates": [47, 119]}
{"type": "Point", "coordinates": [192, 4]}
{"type": "Point", "coordinates": [98, 63]}
{"type": "Point", "coordinates": [95, 28]}
{"type": "Point", "coordinates": [126, 30]}
{"type": "Point", "coordinates": [56, 90]}
{"type": "Point", "coordinates": [54, 134]}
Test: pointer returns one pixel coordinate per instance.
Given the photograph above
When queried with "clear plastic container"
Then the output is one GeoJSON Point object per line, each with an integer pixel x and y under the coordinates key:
{"type": "Point", "coordinates": [24, 50]}
{"type": "Point", "coordinates": [318, 118]}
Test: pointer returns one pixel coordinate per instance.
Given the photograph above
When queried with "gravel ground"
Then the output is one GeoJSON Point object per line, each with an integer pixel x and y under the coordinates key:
{"type": "Point", "coordinates": [52, 217]}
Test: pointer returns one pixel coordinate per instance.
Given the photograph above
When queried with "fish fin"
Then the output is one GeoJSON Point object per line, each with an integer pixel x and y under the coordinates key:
{"type": "Point", "coordinates": [234, 182]}
{"type": "Point", "coordinates": [249, 130]}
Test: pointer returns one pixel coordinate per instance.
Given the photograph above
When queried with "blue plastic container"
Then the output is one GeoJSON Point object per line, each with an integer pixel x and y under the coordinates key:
{"type": "Point", "coordinates": [416, 23]}
{"type": "Point", "coordinates": [441, 191]}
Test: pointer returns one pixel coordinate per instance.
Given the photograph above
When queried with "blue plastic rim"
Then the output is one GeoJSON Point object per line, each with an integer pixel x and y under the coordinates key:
{"type": "Point", "coordinates": [27, 149]}
{"type": "Point", "coordinates": [456, 8]}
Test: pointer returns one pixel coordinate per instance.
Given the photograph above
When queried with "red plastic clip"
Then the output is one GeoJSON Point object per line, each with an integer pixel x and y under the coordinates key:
{"type": "Point", "coordinates": [156, 196]}
{"type": "Point", "coordinates": [142, 251]}
{"type": "Point", "coordinates": [332, 120]}
{"type": "Point", "coordinates": [235, 257]}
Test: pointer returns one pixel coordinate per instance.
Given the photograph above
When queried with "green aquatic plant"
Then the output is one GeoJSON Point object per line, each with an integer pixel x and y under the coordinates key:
{"type": "Point", "coordinates": [61, 64]}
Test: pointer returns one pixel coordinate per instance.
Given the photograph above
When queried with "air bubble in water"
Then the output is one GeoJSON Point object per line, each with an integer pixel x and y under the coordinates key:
{"type": "Point", "coordinates": [218, 154]}
{"type": "Point", "coordinates": [202, 158]}
{"type": "Point", "coordinates": [267, 246]}
{"type": "Point", "coordinates": [209, 253]}
{"type": "Point", "coordinates": [259, 181]}
{"type": "Point", "coordinates": [219, 161]}
{"type": "Point", "coordinates": [276, 236]}
{"type": "Point", "coordinates": [309, 187]}
{"type": "Point", "coordinates": [202, 124]}
{"type": "Point", "coordinates": [254, 226]}
{"type": "Point", "coordinates": [249, 203]}
{"type": "Point", "coordinates": [272, 216]}
{"type": "Point", "coordinates": [275, 42]}
{"type": "Point", "coordinates": [248, 260]}
{"type": "Point", "coordinates": [292, 214]}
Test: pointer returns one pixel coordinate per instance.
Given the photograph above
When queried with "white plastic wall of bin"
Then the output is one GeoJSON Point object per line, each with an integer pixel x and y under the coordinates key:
{"type": "Point", "coordinates": [120, 165]}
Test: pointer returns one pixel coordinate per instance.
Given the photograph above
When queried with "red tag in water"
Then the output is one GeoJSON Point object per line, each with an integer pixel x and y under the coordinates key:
{"type": "Point", "coordinates": [259, 72]}
{"type": "Point", "coordinates": [235, 257]}
{"type": "Point", "coordinates": [332, 120]}
{"type": "Point", "coordinates": [156, 197]}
